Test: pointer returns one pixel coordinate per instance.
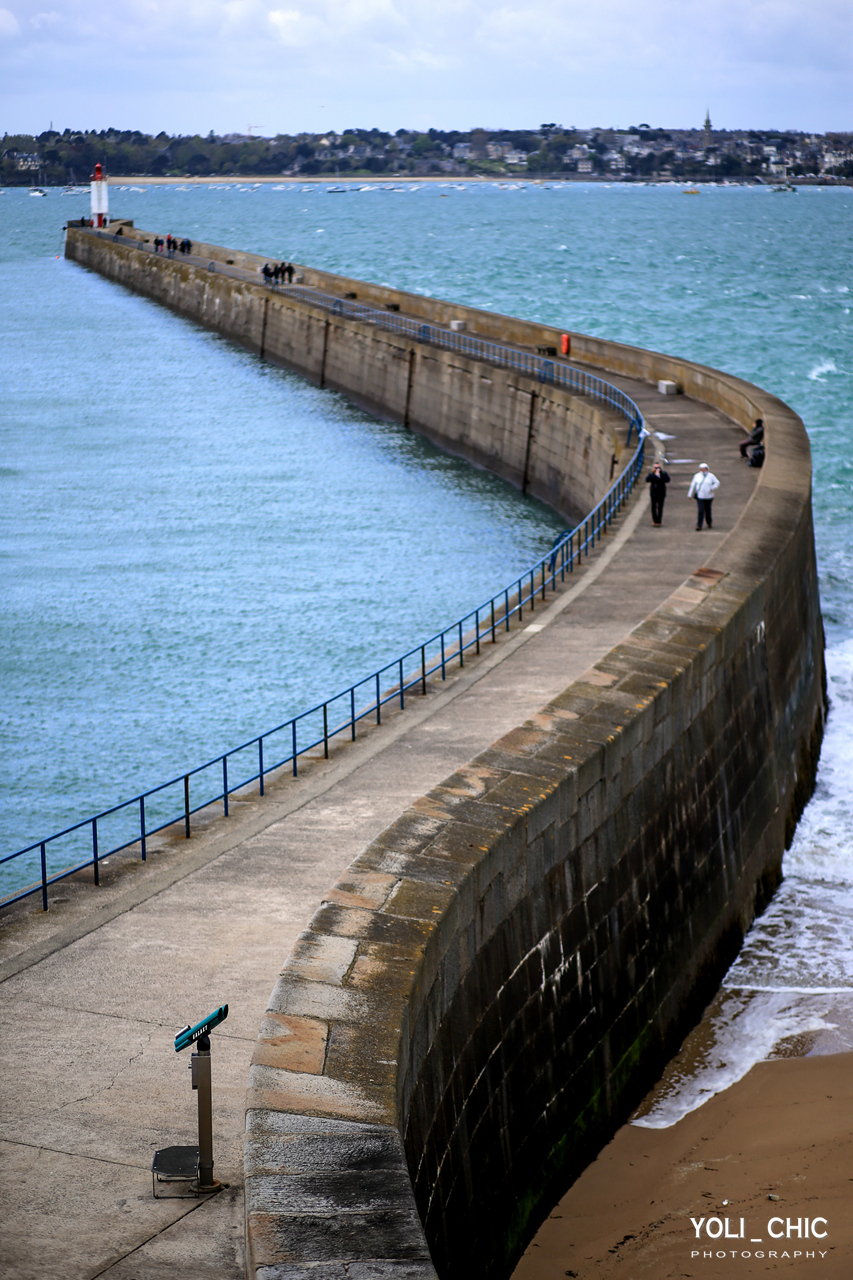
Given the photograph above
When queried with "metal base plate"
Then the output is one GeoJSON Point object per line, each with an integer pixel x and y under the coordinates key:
{"type": "Point", "coordinates": [175, 1164]}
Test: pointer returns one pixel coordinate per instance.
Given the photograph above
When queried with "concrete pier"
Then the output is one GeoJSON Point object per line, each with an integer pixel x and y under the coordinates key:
{"type": "Point", "coordinates": [361, 1084]}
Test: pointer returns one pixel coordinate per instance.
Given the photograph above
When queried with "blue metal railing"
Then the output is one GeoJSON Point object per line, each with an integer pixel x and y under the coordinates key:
{"type": "Point", "coordinates": [143, 816]}
{"type": "Point", "coordinates": [542, 368]}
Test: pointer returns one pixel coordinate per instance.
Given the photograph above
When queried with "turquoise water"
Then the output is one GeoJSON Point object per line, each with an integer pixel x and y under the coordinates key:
{"type": "Point", "coordinates": [194, 546]}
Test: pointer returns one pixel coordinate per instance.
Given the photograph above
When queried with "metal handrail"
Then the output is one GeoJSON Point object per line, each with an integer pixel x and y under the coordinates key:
{"type": "Point", "coordinates": [542, 368]}
{"type": "Point", "coordinates": [410, 671]}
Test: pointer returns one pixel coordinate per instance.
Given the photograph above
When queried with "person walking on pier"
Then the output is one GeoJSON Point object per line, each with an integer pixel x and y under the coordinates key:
{"type": "Point", "coordinates": [657, 479]}
{"type": "Point", "coordinates": [703, 486]}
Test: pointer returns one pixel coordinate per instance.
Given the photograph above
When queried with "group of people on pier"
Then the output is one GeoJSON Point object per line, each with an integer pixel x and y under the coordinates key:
{"type": "Point", "coordinates": [172, 245]}
{"type": "Point", "coordinates": [704, 484]}
{"type": "Point", "coordinates": [281, 273]}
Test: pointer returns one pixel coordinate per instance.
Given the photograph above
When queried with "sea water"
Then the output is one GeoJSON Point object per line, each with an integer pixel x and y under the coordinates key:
{"type": "Point", "coordinates": [175, 577]}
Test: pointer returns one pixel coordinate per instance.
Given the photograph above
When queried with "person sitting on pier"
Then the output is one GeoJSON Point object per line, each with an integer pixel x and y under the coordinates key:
{"type": "Point", "coordinates": [755, 437]}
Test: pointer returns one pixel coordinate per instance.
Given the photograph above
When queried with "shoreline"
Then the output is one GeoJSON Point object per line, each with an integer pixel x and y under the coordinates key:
{"type": "Point", "coordinates": [777, 1144]}
{"type": "Point", "coordinates": [454, 179]}
{"type": "Point", "coordinates": [449, 179]}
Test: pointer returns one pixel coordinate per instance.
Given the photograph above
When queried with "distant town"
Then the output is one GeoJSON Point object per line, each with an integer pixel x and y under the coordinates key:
{"type": "Point", "coordinates": [639, 153]}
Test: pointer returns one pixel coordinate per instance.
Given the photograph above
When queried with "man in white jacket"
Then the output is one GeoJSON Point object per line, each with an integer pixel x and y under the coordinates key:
{"type": "Point", "coordinates": [702, 487]}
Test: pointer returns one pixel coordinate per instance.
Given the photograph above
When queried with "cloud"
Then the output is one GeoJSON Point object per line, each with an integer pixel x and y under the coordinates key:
{"type": "Point", "coordinates": [8, 25]}
{"type": "Point", "coordinates": [187, 64]}
{"type": "Point", "coordinates": [296, 29]}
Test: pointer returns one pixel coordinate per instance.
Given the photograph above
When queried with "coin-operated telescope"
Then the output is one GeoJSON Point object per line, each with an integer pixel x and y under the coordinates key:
{"type": "Point", "coordinates": [194, 1164]}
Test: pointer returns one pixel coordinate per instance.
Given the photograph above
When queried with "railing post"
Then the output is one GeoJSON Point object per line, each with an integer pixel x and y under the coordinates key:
{"type": "Point", "coordinates": [443, 674]}
{"type": "Point", "coordinates": [461, 647]}
{"type": "Point", "coordinates": [43, 877]}
{"type": "Point", "coordinates": [423, 670]}
{"type": "Point", "coordinates": [352, 710]}
{"type": "Point", "coordinates": [293, 744]}
{"type": "Point", "coordinates": [95, 851]}
{"type": "Point", "coordinates": [477, 625]}
{"type": "Point", "coordinates": [325, 731]}
{"type": "Point", "coordinates": [520, 609]}
{"type": "Point", "coordinates": [494, 637]}
{"type": "Point", "coordinates": [142, 826]}
{"type": "Point", "coordinates": [378, 704]}
{"type": "Point", "coordinates": [402, 702]}
{"type": "Point", "coordinates": [187, 805]}
{"type": "Point", "coordinates": [260, 766]}
{"type": "Point", "coordinates": [225, 784]}
{"type": "Point", "coordinates": [506, 608]}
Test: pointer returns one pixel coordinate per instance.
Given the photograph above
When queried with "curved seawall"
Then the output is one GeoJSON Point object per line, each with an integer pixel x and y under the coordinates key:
{"type": "Point", "coordinates": [498, 977]}
{"type": "Point", "coordinates": [558, 446]}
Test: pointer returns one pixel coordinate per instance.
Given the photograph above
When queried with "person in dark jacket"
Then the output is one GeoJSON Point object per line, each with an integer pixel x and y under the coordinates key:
{"type": "Point", "coordinates": [657, 479]}
{"type": "Point", "coordinates": [755, 438]}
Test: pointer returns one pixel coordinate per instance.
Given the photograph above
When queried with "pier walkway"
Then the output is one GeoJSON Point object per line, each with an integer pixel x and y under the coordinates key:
{"type": "Point", "coordinates": [92, 993]}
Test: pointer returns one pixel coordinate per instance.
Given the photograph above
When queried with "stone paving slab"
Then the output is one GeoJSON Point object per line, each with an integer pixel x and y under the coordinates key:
{"type": "Point", "coordinates": [92, 994]}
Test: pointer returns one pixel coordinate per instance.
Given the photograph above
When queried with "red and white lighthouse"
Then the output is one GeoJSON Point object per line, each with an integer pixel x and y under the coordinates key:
{"type": "Point", "coordinates": [100, 198]}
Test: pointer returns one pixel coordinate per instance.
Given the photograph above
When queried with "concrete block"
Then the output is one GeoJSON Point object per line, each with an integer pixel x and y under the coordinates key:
{"type": "Point", "coordinates": [666, 387]}
{"type": "Point", "coordinates": [272, 1089]}
{"type": "Point", "coordinates": [319, 957]}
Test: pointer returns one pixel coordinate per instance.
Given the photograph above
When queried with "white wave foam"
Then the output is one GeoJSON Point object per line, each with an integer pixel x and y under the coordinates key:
{"type": "Point", "coordinates": [744, 1030]}
{"type": "Point", "coordinates": [822, 848]}
{"type": "Point", "coordinates": [824, 366]}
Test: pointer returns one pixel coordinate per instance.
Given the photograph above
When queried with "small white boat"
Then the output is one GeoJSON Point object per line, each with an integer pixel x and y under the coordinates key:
{"type": "Point", "coordinates": [37, 191]}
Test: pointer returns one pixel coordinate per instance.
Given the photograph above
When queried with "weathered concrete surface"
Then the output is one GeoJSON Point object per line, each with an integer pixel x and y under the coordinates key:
{"type": "Point", "coordinates": [91, 1085]}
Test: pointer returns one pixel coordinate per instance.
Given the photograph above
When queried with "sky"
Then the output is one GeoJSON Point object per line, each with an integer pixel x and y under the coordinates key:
{"type": "Point", "coordinates": [288, 66]}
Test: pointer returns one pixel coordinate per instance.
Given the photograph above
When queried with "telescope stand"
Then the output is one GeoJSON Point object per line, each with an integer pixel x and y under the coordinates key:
{"type": "Point", "coordinates": [192, 1164]}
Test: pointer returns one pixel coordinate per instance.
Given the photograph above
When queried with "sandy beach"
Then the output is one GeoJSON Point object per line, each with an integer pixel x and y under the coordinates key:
{"type": "Point", "coordinates": [776, 1145]}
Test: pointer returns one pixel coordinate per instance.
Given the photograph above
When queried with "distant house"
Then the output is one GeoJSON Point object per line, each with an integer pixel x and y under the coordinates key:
{"type": "Point", "coordinates": [834, 160]}
{"type": "Point", "coordinates": [22, 160]}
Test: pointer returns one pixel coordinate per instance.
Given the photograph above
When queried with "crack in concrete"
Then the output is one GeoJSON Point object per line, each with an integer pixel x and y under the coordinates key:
{"type": "Point", "coordinates": [93, 1275]}
{"type": "Point", "coordinates": [72, 1155]}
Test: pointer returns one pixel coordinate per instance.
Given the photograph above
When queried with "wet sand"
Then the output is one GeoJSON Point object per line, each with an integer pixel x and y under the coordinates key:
{"type": "Point", "coordinates": [777, 1144]}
